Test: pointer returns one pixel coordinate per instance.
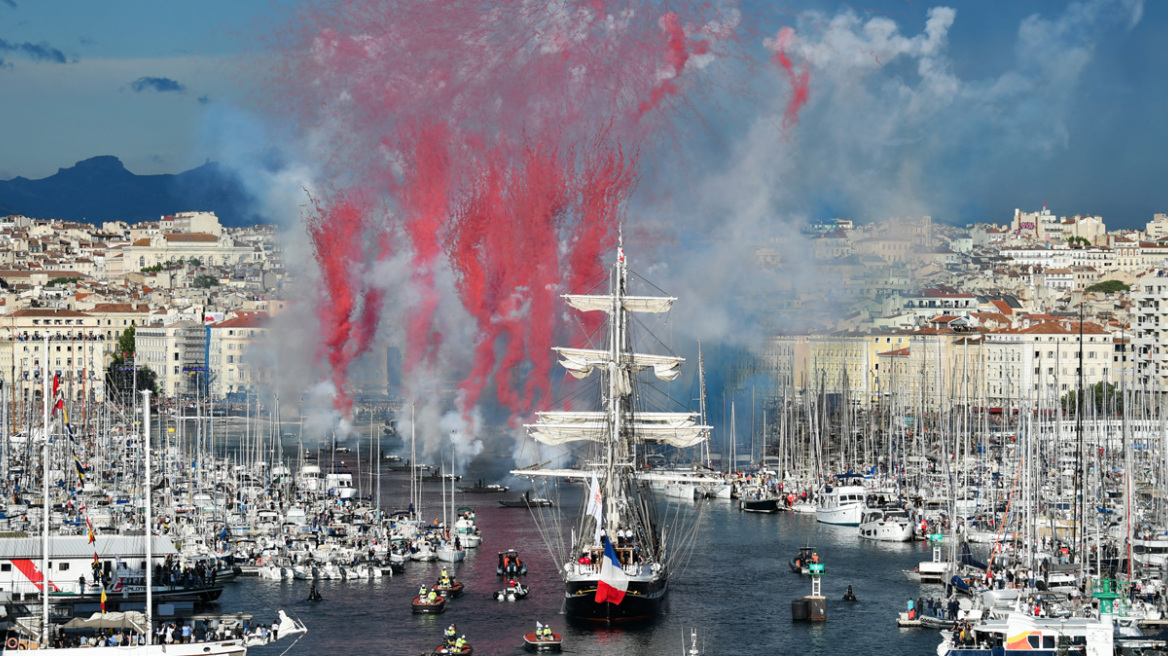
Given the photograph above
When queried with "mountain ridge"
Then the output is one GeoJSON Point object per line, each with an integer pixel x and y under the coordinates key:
{"type": "Point", "coordinates": [102, 189]}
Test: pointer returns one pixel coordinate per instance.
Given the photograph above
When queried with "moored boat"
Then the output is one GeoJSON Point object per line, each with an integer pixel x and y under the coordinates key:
{"type": "Point", "coordinates": [841, 505]}
{"type": "Point", "coordinates": [526, 501]}
{"type": "Point", "coordinates": [483, 488]}
{"type": "Point", "coordinates": [886, 525]}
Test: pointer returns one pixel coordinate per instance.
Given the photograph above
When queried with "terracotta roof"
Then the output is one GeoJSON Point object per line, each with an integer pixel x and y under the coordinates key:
{"type": "Point", "coordinates": [896, 353]}
{"type": "Point", "coordinates": [1060, 327]}
{"type": "Point", "coordinates": [244, 320]}
{"type": "Point", "coordinates": [43, 312]}
{"type": "Point", "coordinates": [115, 308]}
{"type": "Point", "coordinates": [1003, 307]}
{"type": "Point", "coordinates": [993, 316]}
{"type": "Point", "coordinates": [190, 236]}
{"type": "Point", "coordinates": [142, 242]}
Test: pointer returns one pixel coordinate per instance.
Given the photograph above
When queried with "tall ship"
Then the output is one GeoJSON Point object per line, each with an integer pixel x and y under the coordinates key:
{"type": "Point", "coordinates": [617, 558]}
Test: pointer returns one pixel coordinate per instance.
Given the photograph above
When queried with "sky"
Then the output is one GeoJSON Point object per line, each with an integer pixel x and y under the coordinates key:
{"type": "Point", "coordinates": [1011, 105]}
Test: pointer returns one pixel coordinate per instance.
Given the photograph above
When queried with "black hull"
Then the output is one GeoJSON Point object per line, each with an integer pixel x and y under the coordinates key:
{"type": "Point", "coordinates": [643, 602]}
{"type": "Point", "coordinates": [759, 505]}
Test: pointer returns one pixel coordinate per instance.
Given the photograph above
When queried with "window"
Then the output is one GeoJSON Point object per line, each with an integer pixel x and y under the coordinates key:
{"type": "Point", "coordinates": [61, 567]}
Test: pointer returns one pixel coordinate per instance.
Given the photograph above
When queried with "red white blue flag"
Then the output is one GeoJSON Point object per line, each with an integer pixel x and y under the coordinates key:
{"type": "Point", "coordinates": [613, 580]}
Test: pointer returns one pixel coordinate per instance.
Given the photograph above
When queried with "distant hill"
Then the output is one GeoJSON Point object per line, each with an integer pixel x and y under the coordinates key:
{"type": "Point", "coordinates": [101, 189]}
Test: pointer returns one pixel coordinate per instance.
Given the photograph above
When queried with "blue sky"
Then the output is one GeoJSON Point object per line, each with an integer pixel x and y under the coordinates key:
{"type": "Point", "coordinates": [1012, 104]}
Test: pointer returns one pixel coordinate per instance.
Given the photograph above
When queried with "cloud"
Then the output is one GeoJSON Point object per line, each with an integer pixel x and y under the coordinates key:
{"type": "Point", "coordinates": [894, 128]}
{"type": "Point", "coordinates": [35, 51]}
{"type": "Point", "coordinates": [204, 99]}
{"type": "Point", "coordinates": [159, 84]}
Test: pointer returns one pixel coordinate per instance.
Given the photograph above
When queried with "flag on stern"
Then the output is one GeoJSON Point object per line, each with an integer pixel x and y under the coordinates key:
{"type": "Point", "coordinates": [613, 580]}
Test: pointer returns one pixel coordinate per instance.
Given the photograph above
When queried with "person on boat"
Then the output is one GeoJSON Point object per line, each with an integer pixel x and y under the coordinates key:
{"type": "Point", "coordinates": [445, 574]}
{"type": "Point", "coordinates": [815, 557]}
{"type": "Point", "coordinates": [451, 634]}
{"type": "Point", "coordinates": [432, 597]}
{"type": "Point", "coordinates": [422, 592]}
{"type": "Point", "coordinates": [460, 644]}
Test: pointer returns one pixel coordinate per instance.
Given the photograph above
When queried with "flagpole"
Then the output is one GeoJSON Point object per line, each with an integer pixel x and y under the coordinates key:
{"type": "Point", "coordinates": [149, 522]}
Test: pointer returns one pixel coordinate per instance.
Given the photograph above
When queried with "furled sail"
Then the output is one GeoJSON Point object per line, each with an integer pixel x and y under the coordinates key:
{"type": "Point", "coordinates": [603, 303]}
{"type": "Point", "coordinates": [581, 362]}
{"type": "Point", "coordinates": [679, 429]}
{"type": "Point", "coordinates": [557, 434]}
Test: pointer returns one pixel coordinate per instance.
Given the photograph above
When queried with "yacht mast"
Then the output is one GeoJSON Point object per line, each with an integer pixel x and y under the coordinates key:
{"type": "Point", "coordinates": [45, 505]}
{"type": "Point", "coordinates": [149, 519]}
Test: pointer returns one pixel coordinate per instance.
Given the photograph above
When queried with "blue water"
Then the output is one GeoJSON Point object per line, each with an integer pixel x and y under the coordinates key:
{"type": "Point", "coordinates": [736, 590]}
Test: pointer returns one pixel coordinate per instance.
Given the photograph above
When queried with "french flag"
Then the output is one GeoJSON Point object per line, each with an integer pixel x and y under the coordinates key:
{"type": "Point", "coordinates": [613, 580]}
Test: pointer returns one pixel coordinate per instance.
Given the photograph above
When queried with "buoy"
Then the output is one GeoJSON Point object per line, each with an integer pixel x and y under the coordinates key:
{"type": "Point", "coordinates": [12, 643]}
{"type": "Point", "coordinates": [813, 607]}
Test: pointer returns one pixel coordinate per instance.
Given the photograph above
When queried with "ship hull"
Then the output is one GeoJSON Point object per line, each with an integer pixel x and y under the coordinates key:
{"type": "Point", "coordinates": [643, 602]}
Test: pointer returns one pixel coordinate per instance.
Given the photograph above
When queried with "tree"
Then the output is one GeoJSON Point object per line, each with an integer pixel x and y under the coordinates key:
{"type": "Point", "coordinates": [205, 281]}
{"type": "Point", "coordinates": [124, 375]}
{"type": "Point", "coordinates": [126, 344]}
{"type": "Point", "coordinates": [1109, 287]}
{"type": "Point", "coordinates": [1108, 395]}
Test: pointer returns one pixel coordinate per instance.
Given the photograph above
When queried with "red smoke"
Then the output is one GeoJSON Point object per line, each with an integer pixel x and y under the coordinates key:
{"type": "Point", "coordinates": [503, 140]}
{"type": "Point", "coordinates": [337, 231]}
{"type": "Point", "coordinates": [799, 91]}
{"type": "Point", "coordinates": [423, 194]}
{"type": "Point", "coordinates": [678, 49]}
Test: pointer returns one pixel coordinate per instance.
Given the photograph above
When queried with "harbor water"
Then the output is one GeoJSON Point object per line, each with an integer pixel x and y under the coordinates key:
{"type": "Point", "coordinates": [736, 590]}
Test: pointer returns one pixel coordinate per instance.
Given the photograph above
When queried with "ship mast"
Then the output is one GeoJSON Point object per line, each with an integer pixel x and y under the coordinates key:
{"type": "Point", "coordinates": [615, 409]}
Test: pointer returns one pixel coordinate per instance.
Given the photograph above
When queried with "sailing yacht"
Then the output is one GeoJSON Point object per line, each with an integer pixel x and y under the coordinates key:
{"type": "Point", "coordinates": [616, 565]}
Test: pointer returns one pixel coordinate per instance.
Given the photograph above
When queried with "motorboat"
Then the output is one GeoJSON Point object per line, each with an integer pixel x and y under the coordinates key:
{"type": "Point", "coordinates": [801, 563]}
{"type": "Point", "coordinates": [510, 564]}
{"type": "Point", "coordinates": [426, 607]}
{"type": "Point", "coordinates": [513, 592]}
{"type": "Point", "coordinates": [888, 525]}
{"type": "Point", "coordinates": [533, 641]}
